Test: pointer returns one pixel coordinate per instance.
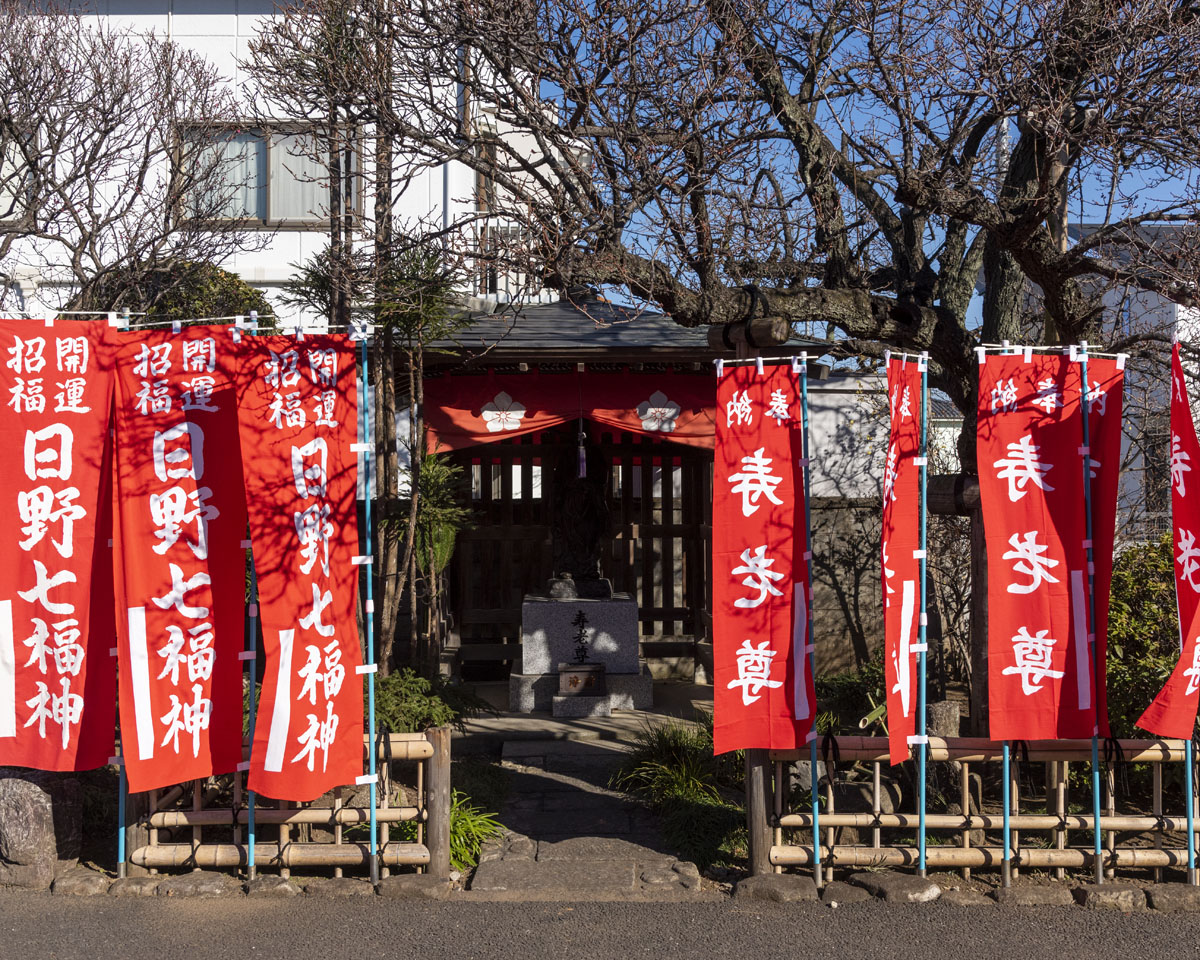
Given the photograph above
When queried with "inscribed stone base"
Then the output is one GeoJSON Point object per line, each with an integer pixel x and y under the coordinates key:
{"type": "Point", "coordinates": [580, 706]}
{"type": "Point", "coordinates": [548, 632]}
{"type": "Point", "coordinates": [626, 691]}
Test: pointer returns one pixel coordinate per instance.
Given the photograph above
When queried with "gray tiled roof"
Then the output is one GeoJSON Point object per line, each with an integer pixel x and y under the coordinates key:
{"type": "Point", "coordinates": [592, 325]}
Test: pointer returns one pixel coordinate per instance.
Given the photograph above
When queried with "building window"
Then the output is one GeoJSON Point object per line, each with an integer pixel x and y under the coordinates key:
{"type": "Point", "coordinates": [275, 177]}
{"type": "Point", "coordinates": [16, 179]}
{"type": "Point", "coordinates": [1156, 458]}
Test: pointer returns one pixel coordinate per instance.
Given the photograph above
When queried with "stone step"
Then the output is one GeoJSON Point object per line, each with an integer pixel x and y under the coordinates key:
{"type": "Point", "coordinates": [586, 880]}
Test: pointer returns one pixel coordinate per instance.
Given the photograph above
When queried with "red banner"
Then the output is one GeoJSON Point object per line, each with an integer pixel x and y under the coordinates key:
{"type": "Point", "coordinates": [297, 414]}
{"type": "Point", "coordinates": [57, 683]}
{"type": "Point", "coordinates": [1173, 712]}
{"type": "Point", "coordinates": [1105, 401]}
{"type": "Point", "coordinates": [180, 584]}
{"type": "Point", "coordinates": [1030, 454]}
{"type": "Point", "coordinates": [464, 410]}
{"type": "Point", "coordinates": [763, 693]}
{"type": "Point", "coordinates": [900, 561]}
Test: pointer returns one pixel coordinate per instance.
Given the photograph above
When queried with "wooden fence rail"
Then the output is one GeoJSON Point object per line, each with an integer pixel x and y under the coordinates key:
{"type": "Point", "coordinates": [218, 806]}
{"type": "Point", "coordinates": [780, 837]}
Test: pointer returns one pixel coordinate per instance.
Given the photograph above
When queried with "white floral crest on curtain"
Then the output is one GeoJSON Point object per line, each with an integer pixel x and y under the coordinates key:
{"type": "Point", "coordinates": [502, 413]}
{"type": "Point", "coordinates": [658, 413]}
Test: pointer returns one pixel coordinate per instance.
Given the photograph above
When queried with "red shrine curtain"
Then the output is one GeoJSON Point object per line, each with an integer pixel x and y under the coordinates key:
{"type": "Point", "coordinates": [479, 408]}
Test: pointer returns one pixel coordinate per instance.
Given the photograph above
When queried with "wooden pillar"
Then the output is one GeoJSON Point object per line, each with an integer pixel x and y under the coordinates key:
{"type": "Point", "coordinates": [437, 802]}
{"type": "Point", "coordinates": [758, 827]}
{"type": "Point", "coordinates": [137, 833]}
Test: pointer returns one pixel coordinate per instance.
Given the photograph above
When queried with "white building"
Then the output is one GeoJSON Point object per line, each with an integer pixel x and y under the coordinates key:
{"type": "Point", "coordinates": [280, 199]}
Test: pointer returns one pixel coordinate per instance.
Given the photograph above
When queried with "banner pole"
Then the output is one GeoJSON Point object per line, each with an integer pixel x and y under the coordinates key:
{"type": "Point", "coordinates": [1006, 860]}
{"type": "Point", "coordinates": [1191, 818]}
{"type": "Point", "coordinates": [122, 802]}
{"type": "Point", "coordinates": [922, 738]}
{"type": "Point", "coordinates": [808, 635]}
{"type": "Point", "coordinates": [252, 648]}
{"type": "Point", "coordinates": [1091, 624]}
{"type": "Point", "coordinates": [369, 612]}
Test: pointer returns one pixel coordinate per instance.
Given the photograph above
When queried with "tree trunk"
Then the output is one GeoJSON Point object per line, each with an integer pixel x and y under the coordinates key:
{"type": "Point", "coordinates": [979, 628]}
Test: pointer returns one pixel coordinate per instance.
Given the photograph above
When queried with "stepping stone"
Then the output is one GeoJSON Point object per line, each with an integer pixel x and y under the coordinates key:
{"type": "Point", "coordinates": [1174, 898]}
{"type": "Point", "coordinates": [555, 880]}
{"type": "Point", "coordinates": [202, 884]}
{"type": "Point", "coordinates": [596, 848]}
{"type": "Point", "coordinates": [338, 887]}
{"type": "Point", "coordinates": [840, 892]}
{"type": "Point", "coordinates": [1110, 896]}
{"type": "Point", "coordinates": [81, 883]}
{"type": "Point", "coordinates": [414, 886]}
{"type": "Point", "coordinates": [135, 887]}
{"type": "Point", "coordinates": [272, 886]}
{"type": "Point", "coordinates": [1028, 895]}
{"type": "Point", "coordinates": [966, 898]}
{"type": "Point", "coordinates": [776, 887]}
{"type": "Point", "coordinates": [898, 887]}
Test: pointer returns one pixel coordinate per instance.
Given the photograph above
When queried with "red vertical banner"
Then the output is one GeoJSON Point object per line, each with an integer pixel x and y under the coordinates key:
{"type": "Point", "coordinates": [900, 560]}
{"type": "Point", "coordinates": [763, 693]}
{"type": "Point", "coordinates": [1105, 397]}
{"type": "Point", "coordinates": [298, 415]}
{"type": "Point", "coordinates": [57, 679]}
{"type": "Point", "coordinates": [1041, 683]}
{"type": "Point", "coordinates": [1173, 712]}
{"type": "Point", "coordinates": [180, 565]}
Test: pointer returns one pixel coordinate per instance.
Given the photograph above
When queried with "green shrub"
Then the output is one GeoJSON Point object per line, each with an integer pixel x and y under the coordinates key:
{"type": "Point", "coordinates": [470, 829]}
{"type": "Point", "coordinates": [845, 698]}
{"type": "Point", "coordinates": [697, 795]}
{"type": "Point", "coordinates": [406, 702]}
{"type": "Point", "coordinates": [1143, 632]}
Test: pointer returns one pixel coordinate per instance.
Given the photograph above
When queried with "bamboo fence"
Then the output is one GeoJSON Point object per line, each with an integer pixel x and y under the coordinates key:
{"type": "Point", "coordinates": [781, 838]}
{"type": "Point", "coordinates": [218, 817]}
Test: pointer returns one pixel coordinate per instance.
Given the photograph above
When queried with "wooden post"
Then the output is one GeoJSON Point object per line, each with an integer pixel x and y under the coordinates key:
{"type": "Point", "coordinates": [437, 802]}
{"type": "Point", "coordinates": [137, 834]}
{"type": "Point", "coordinates": [758, 827]}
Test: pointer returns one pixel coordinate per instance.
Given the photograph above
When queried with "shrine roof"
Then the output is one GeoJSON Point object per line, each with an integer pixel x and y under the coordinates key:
{"type": "Point", "coordinates": [593, 329]}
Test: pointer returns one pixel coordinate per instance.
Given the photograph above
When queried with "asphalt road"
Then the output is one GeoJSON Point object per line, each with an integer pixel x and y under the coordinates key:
{"type": "Point", "coordinates": [41, 926]}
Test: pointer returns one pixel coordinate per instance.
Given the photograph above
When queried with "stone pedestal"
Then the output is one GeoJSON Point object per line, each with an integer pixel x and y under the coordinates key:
{"type": "Point", "coordinates": [550, 630]}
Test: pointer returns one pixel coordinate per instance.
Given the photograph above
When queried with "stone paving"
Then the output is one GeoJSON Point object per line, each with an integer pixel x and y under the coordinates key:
{"type": "Point", "coordinates": [571, 837]}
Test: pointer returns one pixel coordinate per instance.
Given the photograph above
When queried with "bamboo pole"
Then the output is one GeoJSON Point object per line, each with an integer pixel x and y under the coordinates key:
{"type": "Point", "coordinates": [977, 857]}
{"type": "Point", "coordinates": [983, 750]}
{"type": "Point", "coordinates": [777, 792]}
{"type": "Point", "coordinates": [325, 816]}
{"type": "Point", "coordinates": [385, 834]}
{"type": "Point", "coordinates": [964, 783]}
{"type": "Point", "coordinates": [337, 823]}
{"type": "Point", "coordinates": [986, 821]}
{"type": "Point", "coordinates": [285, 841]}
{"type": "Point", "coordinates": [197, 807]}
{"type": "Point", "coordinates": [294, 855]}
{"type": "Point", "coordinates": [876, 806]}
{"type": "Point", "coordinates": [1060, 809]}
{"type": "Point", "coordinates": [1156, 808]}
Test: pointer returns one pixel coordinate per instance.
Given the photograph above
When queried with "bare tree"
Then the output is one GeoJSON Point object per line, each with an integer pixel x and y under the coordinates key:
{"type": "Point", "coordinates": [112, 185]}
{"type": "Point", "coordinates": [861, 163]}
{"type": "Point", "coordinates": [333, 64]}
{"type": "Point", "coordinates": [858, 165]}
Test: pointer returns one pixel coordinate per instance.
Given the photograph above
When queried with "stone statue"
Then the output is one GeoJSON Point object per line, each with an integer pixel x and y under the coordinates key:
{"type": "Point", "coordinates": [580, 524]}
